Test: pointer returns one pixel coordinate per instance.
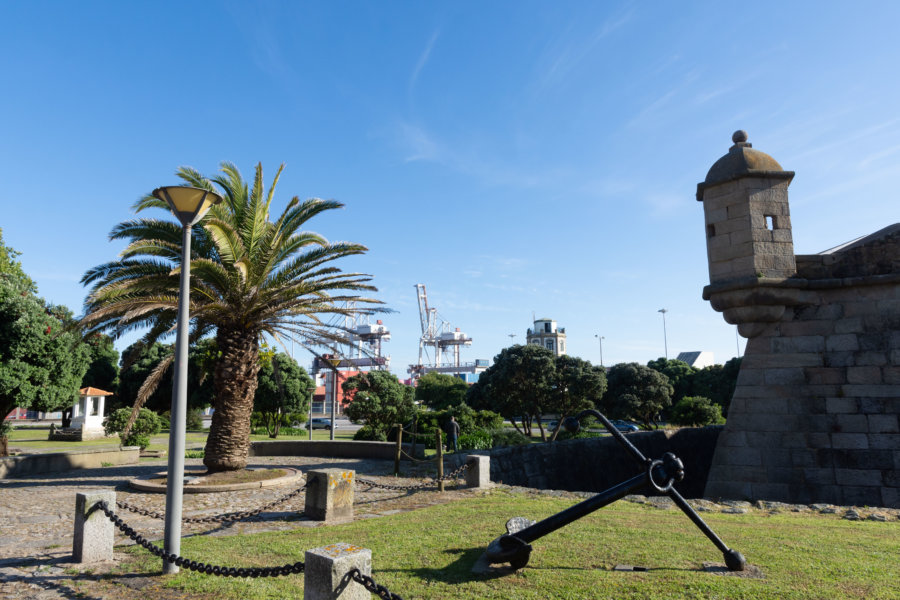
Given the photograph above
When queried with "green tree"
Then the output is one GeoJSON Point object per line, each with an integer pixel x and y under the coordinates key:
{"type": "Point", "coordinates": [575, 385]}
{"type": "Point", "coordinates": [250, 277]}
{"type": "Point", "coordinates": [41, 361]}
{"type": "Point", "coordinates": [380, 401]}
{"type": "Point", "coordinates": [717, 382]}
{"type": "Point", "coordinates": [282, 389]}
{"type": "Point", "coordinates": [637, 392]}
{"type": "Point", "coordinates": [680, 374]}
{"type": "Point", "coordinates": [11, 269]}
{"type": "Point", "coordinates": [696, 411]}
{"type": "Point", "coordinates": [103, 370]}
{"type": "Point", "coordinates": [516, 385]}
{"type": "Point", "coordinates": [144, 379]}
{"type": "Point", "coordinates": [439, 391]}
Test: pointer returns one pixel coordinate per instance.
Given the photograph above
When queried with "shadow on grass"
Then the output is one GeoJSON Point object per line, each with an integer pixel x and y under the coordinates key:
{"type": "Point", "coordinates": [458, 571]}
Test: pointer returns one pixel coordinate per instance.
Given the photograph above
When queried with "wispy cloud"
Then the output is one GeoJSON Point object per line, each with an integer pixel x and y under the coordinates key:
{"type": "Point", "coordinates": [568, 51]}
{"type": "Point", "coordinates": [878, 156]}
{"type": "Point", "coordinates": [423, 60]}
{"type": "Point", "coordinates": [419, 144]}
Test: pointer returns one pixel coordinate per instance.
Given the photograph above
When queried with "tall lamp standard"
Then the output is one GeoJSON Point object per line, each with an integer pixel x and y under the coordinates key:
{"type": "Point", "coordinates": [334, 364]}
{"type": "Point", "coordinates": [600, 339]}
{"type": "Point", "coordinates": [665, 340]}
{"type": "Point", "coordinates": [189, 204]}
{"type": "Point", "coordinates": [311, 389]}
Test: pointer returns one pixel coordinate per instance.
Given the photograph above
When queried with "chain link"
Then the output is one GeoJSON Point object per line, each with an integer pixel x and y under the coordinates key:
{"type": "Point", "coordinates": [192, 565]}
{"type": "Point", "coordinates": [372, 586]}
{"type": "Point", "coordinates": [223, 518]}
{"type": "Point", "coordinates": [416, 486]}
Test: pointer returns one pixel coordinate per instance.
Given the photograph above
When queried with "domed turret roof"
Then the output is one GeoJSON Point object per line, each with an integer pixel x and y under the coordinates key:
{"type": "Point", "coordinates": [741, 161]}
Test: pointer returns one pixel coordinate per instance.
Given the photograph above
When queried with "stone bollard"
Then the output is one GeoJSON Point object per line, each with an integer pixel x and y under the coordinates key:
{"type": "Point", "coordinates": [94, 533]}
{"type": "Point", "coordinates": [329, 495]}
{"type": "Point", "coordinates": [478, 475]}
{"type": "Point", "coordinates": [327, 572]}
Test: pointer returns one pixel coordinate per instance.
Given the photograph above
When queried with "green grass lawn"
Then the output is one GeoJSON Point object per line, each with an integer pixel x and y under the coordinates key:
{"type": "Point", "coordinates": [36, 439]}
{"type": "Point", "coordinates": [428, 553]}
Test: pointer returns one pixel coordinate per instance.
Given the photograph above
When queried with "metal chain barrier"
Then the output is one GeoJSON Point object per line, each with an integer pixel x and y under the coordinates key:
{"type": "Point", "coordinates": [416, 486]}
{"type": "Point", "coordinates": [289, 569]}
{"type": "Point", "coordinates": [192, 565]}
{"type": "Point", "coordinates": [373, 587]}
{"type": "Point", "coordinates": [223, 518]}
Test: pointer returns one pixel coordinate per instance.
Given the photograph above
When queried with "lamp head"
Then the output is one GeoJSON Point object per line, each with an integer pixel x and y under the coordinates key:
{"type": "Point", "coordinates": [188, 203]}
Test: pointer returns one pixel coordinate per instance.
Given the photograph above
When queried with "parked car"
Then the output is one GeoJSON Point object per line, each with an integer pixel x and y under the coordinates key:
{"type": "Point", "coordinates": [625, 426]}
{"type": "Point", "coordinates": [551, 425]}
{"type": "Point", "coordinates": [319, 423]}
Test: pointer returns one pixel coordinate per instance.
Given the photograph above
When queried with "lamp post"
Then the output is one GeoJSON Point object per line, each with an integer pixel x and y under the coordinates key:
{"type": "Point", "coordinates": [311, 389]}
{"type": "Point", "coordinates": [189, 204]}
{"type": "Point", "coordinates": [334, 364]}
{"type": "Point", "coordinates": [600, 339]}
{"type": "Point", "coordinates": [665, 340]}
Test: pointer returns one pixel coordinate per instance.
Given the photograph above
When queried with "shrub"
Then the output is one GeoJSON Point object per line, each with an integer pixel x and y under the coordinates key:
{"type": "Point", "coordinates": [368, 433]}
{"type": "Point", "coordinates": [507, 437]}
{"type": "Point", "coordinates": [194, 420]}
{"type": "Point", "coordinates": [146, 424]}
{"type": "Point", "coordinates": [476, 440]}
{"type": "Point", "coordinates": [582, 434]}
{"type": "Point", "coordinates": [697, 411]}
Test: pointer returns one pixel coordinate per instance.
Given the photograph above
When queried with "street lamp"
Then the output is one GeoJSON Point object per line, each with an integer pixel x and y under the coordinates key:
{"type": "Point", "coordinates": [665, 340]}
{"type": "Point", "coordinates": [189, 204]}
{"type": "Point", "coordinates": [334, 364]}
{"type": "Point", "coordinates": [600, 339]}
{"type": "Point", "coordinates": [311, 389]}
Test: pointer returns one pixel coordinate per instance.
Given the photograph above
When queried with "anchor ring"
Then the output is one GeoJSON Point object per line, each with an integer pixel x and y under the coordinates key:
{"type": "Point", "coordinates": [661, 489]}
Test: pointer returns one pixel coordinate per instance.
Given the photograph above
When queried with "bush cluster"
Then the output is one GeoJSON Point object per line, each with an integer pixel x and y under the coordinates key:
{"type": "Point", "coordinates": [146, 424]}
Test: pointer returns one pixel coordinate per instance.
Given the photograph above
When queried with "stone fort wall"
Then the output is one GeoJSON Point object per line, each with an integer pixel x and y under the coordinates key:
{"type": "Point", "coordinates": [814, 417]}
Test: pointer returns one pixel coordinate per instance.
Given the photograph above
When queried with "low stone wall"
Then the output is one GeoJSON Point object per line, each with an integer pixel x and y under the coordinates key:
{"type": "Point", "coordinates": [331, 449]}
{"type": "Point", "coordinates": [51, 462]}
{"type": "Point", "coordinates": [593, 465]}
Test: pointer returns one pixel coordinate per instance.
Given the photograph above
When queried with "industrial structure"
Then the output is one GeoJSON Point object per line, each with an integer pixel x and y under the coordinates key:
{"type": "Point", "coordinates": [440, 344]}
{"type": "Point", "coordinates": [362, 350]}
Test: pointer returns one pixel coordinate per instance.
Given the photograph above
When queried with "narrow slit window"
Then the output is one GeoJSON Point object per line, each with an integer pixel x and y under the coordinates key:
{"type": "Point", "coordinates": [770, 222]}
{"type": "Point", "coordinates": [710, 231]}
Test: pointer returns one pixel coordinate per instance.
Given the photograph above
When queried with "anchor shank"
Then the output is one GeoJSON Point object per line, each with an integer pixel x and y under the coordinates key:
{"type": "Point", "coordinates": [686, 508]}
{"type": "Point", "coordinates": [618, 435]}
{"type": "Point", "coordinates": [563, 518]}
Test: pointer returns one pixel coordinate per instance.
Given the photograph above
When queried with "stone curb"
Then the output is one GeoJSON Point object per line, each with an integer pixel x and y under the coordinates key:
{"type": "Point", "coordinates": [291, 476]}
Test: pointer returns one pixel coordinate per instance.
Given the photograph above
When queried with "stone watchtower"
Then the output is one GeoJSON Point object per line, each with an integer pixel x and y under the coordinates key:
{"type": "Point", "coordinates": [814, 417]}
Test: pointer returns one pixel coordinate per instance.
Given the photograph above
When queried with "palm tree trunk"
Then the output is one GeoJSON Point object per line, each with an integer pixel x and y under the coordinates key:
{"type": "Point", "coordinates": [234, 381]}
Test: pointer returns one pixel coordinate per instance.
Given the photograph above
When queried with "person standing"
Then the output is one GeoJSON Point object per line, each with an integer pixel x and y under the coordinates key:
{"type": "Point", "coordinates": [452, 434]}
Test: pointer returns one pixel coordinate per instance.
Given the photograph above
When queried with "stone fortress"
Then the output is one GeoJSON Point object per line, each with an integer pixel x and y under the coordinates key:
{"type": "Point", "coordinates": [814, 417]}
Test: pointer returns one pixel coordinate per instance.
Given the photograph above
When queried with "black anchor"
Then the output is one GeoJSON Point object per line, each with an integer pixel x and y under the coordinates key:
{"type": "Point", "coordinates": [660, 475]}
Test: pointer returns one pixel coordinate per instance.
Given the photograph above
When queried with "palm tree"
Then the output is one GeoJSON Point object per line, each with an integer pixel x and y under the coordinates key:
{"type": "Point", "coordinates": [250, 277]}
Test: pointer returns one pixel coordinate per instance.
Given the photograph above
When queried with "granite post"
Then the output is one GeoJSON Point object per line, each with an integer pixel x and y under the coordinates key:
{"type": "Point", "coordinates": [94, 532]}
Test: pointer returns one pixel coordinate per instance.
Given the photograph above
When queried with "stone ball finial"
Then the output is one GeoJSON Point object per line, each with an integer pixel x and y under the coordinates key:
{"type": "Point", "coordinates": [739, 136]}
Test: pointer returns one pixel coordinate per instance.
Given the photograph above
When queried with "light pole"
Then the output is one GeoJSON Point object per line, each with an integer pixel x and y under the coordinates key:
{"type": "Point", "coordinates": [600, 339]}
{"type": "Point", "coordinates": [334, 364]}
{"type": "Point", "coordinates": [665, 340]}
{"type": "Point", "coordinates": [511, 336]}
{"type": "Point", "coordinates": [311, 389]}
{"type": "Point", "coordinates": [189, 204]}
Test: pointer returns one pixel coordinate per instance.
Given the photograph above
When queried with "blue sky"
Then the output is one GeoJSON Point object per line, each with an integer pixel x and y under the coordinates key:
{"type": "Point", "coordinates": [516, 157]}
